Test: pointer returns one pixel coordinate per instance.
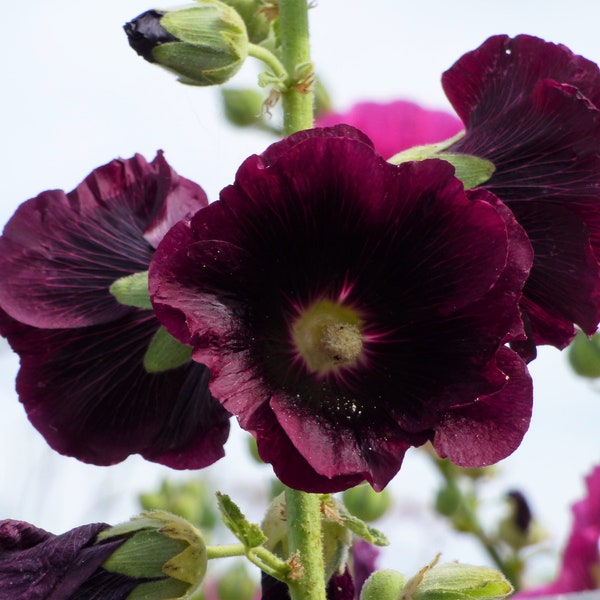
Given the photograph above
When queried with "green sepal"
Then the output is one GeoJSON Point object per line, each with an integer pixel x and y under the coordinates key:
{"type": "Point", "coordinates": [132, 290]}
{"type": "Point", "coordinates": [159, 590]}
{"type": "Point", "coordinates": [385, 584]}
{"type": "Point", "coordinates": [165, 352]}
{"type": "Point", "coordinates": [354, 524]}
{"type": "Point", "coordinates": [471, 170]}
{"type": "Point", "coordinates": [144, 554]}
{"type": "Point", "coordinates": [250, 534]}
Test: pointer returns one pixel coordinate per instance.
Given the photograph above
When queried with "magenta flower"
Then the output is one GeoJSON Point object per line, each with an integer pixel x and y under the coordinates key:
{"type": "Point", "coordinates": [580, 569]}
{"type": "Point", "coordinates": [396, 126]}
{"type": "Point", "coordinates": [35, 564]}
{"type": "Point", "coordinates": [349, 309]}
{"type": "Point", "coordinates": [531, 107]}
{"type": "Point", "coordinates": [82, 379]}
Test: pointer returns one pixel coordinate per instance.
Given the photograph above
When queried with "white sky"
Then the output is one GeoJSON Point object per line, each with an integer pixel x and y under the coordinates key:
{"type": "Point", "coordinates": [75, 96]}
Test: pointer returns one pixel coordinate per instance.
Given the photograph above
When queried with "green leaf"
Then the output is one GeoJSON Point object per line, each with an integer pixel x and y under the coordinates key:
{"type": "Point", "coordinates": [132, 290]}
{"type": "Point", "coordinates": [250, 534]}
{"type": "Point", "coordinates": [471, 170]}
{"type": "Point", "coordinates": [165, 352]}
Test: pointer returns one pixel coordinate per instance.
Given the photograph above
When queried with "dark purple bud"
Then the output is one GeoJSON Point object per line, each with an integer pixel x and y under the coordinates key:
{"type": "Point", "coordinates": [145, 33]}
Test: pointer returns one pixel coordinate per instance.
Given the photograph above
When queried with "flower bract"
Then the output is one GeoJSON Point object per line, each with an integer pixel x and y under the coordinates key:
{"type": "Point", "coordinates": [349, 309]}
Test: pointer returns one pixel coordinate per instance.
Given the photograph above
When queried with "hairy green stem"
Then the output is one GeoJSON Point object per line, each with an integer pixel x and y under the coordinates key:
{"type": "Point", "coordinates": [261, 557]}
{"type": "Point", "coordinates": [303, 514]}
{"type": "Point", "coordinates": [295, 52]}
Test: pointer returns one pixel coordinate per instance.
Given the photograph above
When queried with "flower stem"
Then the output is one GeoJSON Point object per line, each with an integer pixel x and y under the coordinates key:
{"type": "Point", "coordinates": [303, 515]}
{"type": "Point", "coordinates": [269, 59]}
{"type": "Point", "coordinates": [295, 50]}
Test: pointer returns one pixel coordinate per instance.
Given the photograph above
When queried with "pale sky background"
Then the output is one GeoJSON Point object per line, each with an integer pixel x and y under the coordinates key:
{"type": "Point", "coordinates": [76, 96]}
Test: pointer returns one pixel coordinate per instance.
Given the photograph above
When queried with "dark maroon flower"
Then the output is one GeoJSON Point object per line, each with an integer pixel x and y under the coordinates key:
{"type": "Point", "coordinates": [82, 379]}
{"type": "Point", "coordinates": [531, 108]}
{"type": "Point", "coordinates": [580, 568]}
{"type": "Point", "coordinates": [349, 309]}
{"type": "Point", "coordinates": [396, 126]}
{"type": "Point", "coordinates": [37, 565]}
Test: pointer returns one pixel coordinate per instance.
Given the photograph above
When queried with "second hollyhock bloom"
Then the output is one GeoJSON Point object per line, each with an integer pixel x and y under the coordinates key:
{"type": "Point", "coordinates": [349, 309]}
{"type": "Point", "coordinates": [82, 379]}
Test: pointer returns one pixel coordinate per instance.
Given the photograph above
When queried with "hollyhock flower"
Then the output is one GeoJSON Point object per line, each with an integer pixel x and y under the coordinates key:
{"type": "Point", "coordinates": [35, 564]}
{"type": "Point", "coordinates": [349, 309]}
{"type": "Point", "coordinates": [82, 378]}
{"type": "Point", "coordinates": [396, 126]}
{"type": "Point", "coordinates": [580, 569]}
{"type": "Point", "coordinates": [531, 108]}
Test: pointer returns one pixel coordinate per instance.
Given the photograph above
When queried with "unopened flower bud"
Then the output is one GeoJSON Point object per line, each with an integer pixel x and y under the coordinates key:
{"type": "Point", "coordinates": [205, 43]}
{"type": "Point", "coordinates": [365, 503]}
{"type": "Point", "coordinates": [457, 581]}
{"type": "Point", "coordinates": [242, 107]}
{"type": "Point", "coordinates": [383, 585]}
{"type": "Point", "coordinates": [584, 355]}
{"type": "Point", "coordinates": [165, 552]}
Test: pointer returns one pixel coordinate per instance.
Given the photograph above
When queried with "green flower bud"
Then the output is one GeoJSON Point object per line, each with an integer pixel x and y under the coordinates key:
{"type": "Point", "coordinates": [365, 503]}
{"type": "Point", "coordinates": [205, 44]}
{"type": "Point", "coordinates": [191, 500]}
{"type": "Point", "coordinates": [236, 584]}
{"type": "Point", "coordinates": [242, 107]}
{"type": "Point", "coordinates": [161, 547]}
{"type": "Point", "coordinates": [456, 581]}
{"type": "Point", "coordinates": [256, 19]}
{"type": "Point", "coordinates": [584, 355]}
{"type": "Point", "coordinates": [383, 585]}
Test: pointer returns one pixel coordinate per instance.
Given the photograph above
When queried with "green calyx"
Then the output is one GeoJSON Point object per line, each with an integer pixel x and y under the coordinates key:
{"type": "Point", "coordinates": [162, 547]}
{"type": "Point", "coordinates": [212, 43]}
{"type": "Point", "coordinates": [165, 352]}
{"type": "Point", "coordinates": [471, 170]}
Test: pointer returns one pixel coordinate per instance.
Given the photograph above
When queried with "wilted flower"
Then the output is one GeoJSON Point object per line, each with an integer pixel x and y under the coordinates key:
{"type": "Point", "coordinates": [580, 569]}
{"type": "Point", "coordinates": [396, 126]}
{"type": "Point", "coordinates": [82, 379]}
{"type": "Point", "coordinates": [349, 309]}
{"type": "Point", "coordinates": [531, 108]}
{"type": "Point", "coordinates": [36, 564]}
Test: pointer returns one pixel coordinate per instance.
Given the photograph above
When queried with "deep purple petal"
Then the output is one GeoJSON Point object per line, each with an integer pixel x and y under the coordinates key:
{"type": "Point", "coordinates": [531, 107]}
{"type": "Point", "coordinates": [37, 565]}
{"type": "Point", "coordinates": [88, 394]}
{"type": "Point", "coordinates": [396, 126]}
{"type": "Point", "coordinates": [484, 432]}
{"type": "Point", "coordinates": [322, 216]}
{"type": "Point", "coordinates": [364, 562]}
{"type": "Point", "coordinates": [60, 253]}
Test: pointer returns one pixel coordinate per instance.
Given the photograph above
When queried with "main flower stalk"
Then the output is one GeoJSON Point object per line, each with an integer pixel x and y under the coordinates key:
{"type": "Point", "coordinates": [303, 510]}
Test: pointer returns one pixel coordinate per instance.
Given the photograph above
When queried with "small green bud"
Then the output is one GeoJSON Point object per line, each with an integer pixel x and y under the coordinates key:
{"type": "Point", "coordinates": [365, 503]}
{"type": "Point", "coordinates": [255, 17]}
{"type": "Point", "coordinates": [205, 44]}
{"type": "Point", "coordinates": [161, 547]}
{"type": "Point", "coordinates": [448, 500]}
{"type": "Point", "coordinates": [456, 581]}
{"type": "Point", "coordinates": [584, 355]}
{"type": "Point", "coordinates": [236, 584]}
{"type": "Point", "coordinates": [383, 585]}
{"type": "Point", "coordinates": [242, 107]}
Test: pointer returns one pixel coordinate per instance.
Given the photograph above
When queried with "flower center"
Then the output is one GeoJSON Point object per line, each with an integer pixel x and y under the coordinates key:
{"type": "Point", "coordinates": [328, 336]}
